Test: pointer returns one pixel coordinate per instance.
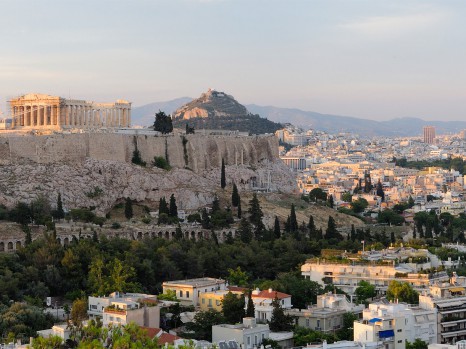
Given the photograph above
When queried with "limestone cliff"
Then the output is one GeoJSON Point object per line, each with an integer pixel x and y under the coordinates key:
{"type": "Point", "coordinates": [76, 164]}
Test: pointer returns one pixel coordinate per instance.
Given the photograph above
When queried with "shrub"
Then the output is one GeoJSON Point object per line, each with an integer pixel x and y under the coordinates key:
{"type": "Point", "coordinates": [161, 162]}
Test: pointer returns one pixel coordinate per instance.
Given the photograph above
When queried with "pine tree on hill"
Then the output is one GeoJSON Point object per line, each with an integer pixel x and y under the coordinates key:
{"type": "Point", "coordinates": [128, 208]}
{"type": "Point", "coordinates": [163, 123]}
{"type": "Point", "coordinates": [223, 181]}
{"type": "Point", "coordinates": [173, 210]}
{"type": "Point", "coordinates": [235, 198]}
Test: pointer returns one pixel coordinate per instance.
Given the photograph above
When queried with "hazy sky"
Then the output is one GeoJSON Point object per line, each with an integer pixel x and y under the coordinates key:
{"type": "Point", "coordinates": [367, 58]}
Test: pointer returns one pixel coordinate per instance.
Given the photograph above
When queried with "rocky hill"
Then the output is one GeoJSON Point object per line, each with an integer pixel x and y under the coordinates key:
{"type": "Point", "coordinates": [219, 111]}
{"type": "Point", "coordinates": [95, 170]}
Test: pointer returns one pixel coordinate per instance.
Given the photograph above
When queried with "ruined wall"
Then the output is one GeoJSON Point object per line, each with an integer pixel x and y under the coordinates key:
{"type": "Point", "coordinates": [196, 152]}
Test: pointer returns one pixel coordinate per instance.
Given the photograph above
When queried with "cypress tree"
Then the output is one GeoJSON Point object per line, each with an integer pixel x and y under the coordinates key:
{"type": "Point", "coordinates": [215, 205]}
{"type": "Point", "coordinates": [60, 212]}
{"type": "Point", "coordinates": [128, 208]}
{"type": "Point", "coordinates": [163, 207]}
{"type": "Point", "coordinates": [245, 231]}
{"type": "Point", "coordinates": [205, 220]}
{"type": "Point", "coordinates": [312, 228]}
{"type": "Point", "coordinates": [276, 228]}
{"type": "Point", "coordinates": [235, 198]}
{"type": "Point", "coordinates": [250, 311]}
{"type": "Point", "coordinates": [223, 180]}
{"type": "Point", "coordinates": [173, 210]}
{"type": "Point", "coordinates": [239, 209]}
{"type": "Point", "coordinates": [293, 223]}
{"type": "Point", "coordinates": [330, 201]}
{"type": "Point", "coordinates": [331, 231]}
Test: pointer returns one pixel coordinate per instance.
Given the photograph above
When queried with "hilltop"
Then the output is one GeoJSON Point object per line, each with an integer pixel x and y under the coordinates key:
{"type": "Point", "coordinates": [398, 127]}
{"type": "Point", "coordinates": [218, 110]}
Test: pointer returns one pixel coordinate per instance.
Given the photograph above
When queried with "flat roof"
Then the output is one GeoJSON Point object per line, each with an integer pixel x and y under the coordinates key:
{"type": "Point", "coordinates": [199, 282]}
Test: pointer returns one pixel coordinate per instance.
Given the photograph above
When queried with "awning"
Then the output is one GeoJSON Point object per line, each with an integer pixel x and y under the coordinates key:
{"type": "Point", "coordinates": [386, 334]}
{"type": "Point", "coordinates": [457, 289]}
{"type": "Point", "coordinates": [376, 319]}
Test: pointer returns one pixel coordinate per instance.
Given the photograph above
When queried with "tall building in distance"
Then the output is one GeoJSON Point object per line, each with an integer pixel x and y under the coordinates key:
{"type": "Point", "coordinates": [429, 134]}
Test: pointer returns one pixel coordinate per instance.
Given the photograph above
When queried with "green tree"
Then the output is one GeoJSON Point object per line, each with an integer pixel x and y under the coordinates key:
{"type": "Point", "coordinates": [244, 230]}
{"type": "Point", "coordinates": [255, 216]}
{"type": "Point", "coordinates": [417, 344]}
{"type": "Point", "coordinates": [163, 123]}
{"type": "Point", "coordinates": [402, 292]}
{"type": "Point", "coordinates": [161, 162]}
{"type": "Point", "coordinates": [237, 277]}
{"type": "Point", "coordinates": [359, 205]}
{"type": "Point", "coordinates": [59, 212]}
{"type": "Point", "coordinates": [364, 291]}
{"type": "Point", "coordinates": [330, 201]}
{"type": "Point", "coordinates": [280, 321]}
{"type": "Point", "coordinates": [223, 181]}
{"type": "Point", "coordinates": [317, 194]}
{"type": "Point", "coordinates": [276, 228]}
{"type": "Point", "coordinates": [235, 198]}
{"type": "Point", "coordinates": [128, 208]}
{"type": "Point", "coordinates": [163, 207]}
{"type": "Point", "coordinates": [173, 209]}
{"type": "Point", "coordinates": [347, 196]}
{"type": "Point", "coordinates": [78, 313]}
{"type": "Point", "coordinates": [233, 307]}
{"type": "Point", "coordinates": [203, 322]}
{"type": "Point", "coordinates": [346, 332]}
{"type": "Point", "coordinates": [205, 220]}
{"type": "Point", "coordinates": [168, 295]}
{"type": "Point", "coordinates": [293, 222]}
{"type": "Point", "coordinates": [331, 232]}
{"type": "Point", "coordinates": [250, 311]}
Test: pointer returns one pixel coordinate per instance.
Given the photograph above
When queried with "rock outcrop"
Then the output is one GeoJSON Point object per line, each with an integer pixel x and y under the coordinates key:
{"type": "Point", "coordinates": [75, 165]}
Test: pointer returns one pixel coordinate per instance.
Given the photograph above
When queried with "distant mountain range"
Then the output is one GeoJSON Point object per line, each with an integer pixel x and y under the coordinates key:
{"type": "Point", "coordinates": [405, 126]}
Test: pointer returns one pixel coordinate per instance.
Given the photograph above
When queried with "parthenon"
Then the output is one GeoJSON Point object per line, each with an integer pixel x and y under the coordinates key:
{"type": "Point", "coordinates": [41, 111]}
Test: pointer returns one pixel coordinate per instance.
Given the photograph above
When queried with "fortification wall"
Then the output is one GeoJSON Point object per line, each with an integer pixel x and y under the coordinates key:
{"type": "Point", "coordinates": [196, 152]}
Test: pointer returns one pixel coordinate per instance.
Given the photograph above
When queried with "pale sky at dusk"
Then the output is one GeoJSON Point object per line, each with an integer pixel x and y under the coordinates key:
{"type": "Point", "coordinates": [366, 58]}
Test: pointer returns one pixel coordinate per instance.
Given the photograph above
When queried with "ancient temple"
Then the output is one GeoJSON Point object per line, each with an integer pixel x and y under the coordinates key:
{"type": "Point", "coordinates": [40, 111]}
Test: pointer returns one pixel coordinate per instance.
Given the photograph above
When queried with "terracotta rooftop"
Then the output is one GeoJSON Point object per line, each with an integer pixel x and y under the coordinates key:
{"type": "Point", "coordinates": [271, 295]}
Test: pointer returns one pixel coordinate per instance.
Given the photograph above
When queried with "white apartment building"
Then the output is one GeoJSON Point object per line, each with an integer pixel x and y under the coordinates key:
{"type": "Point", "coordinates": [413, 322]}
{"type": "Point", "coordinates": [249, 334]}
{"type": "Point", "coordinates": [96, 305]}
{"type": "Point", "coordinates": [450, 301]}
{"type": "Point", "coordinates": [188, 291]}
{"type": "Point", "coordinates": [123, 308]}
{"type": "Point", "coordinates": [347, 276]}
{"type": "Point", "coordinates": [327, 314]}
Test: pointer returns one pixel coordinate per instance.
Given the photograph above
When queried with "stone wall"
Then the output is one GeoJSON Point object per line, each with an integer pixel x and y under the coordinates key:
{"type": "Point", "coordinates": [196, 152]}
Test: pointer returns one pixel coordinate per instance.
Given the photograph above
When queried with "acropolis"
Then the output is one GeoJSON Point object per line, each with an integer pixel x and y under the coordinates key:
{"type": "Point", "coordinates": [45, 112]}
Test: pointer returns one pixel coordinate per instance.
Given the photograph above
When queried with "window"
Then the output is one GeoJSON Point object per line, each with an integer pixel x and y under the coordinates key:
{"type": "Point", "coordinates": [307, 322]}
{"type": "Point", "coordinates": [400, 330]}
{"type": "Point", "coordinates": [181, 294]}
{"type": "Point", "coordinates": [93, 306]}
{"type": "Point", "coordinates": [249, 340]}
{"type": "Point", "coordinates": [217, 302]}
{"type": "Point", "coordinates": [210, 303]}
{"type": "Point", "coordinates": [111, 318]}
{"type": "Point", "coordinates": [400, 341]}
{"type": "Point", "coordinates": [187, 294]}
{"type": "Point", "coordinates": [203, 300]}
{"type": "Point", "coordinates": [318, 323]}
{"type": "Point", "coordinates": [255, 340]}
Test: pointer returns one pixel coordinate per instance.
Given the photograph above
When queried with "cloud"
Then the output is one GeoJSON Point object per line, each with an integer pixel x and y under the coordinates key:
{"type": "Point", "coordinates": [395, 26]}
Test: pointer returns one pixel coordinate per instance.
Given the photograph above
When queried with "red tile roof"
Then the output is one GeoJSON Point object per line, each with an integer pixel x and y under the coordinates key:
{"type": "Point", "coordinates": [162, 337]}
{"type": "Point", "coordinates": [267, 294]}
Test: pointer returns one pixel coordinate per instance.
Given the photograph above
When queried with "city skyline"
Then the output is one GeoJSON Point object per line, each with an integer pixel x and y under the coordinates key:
{"type": "Point", "coordinates": [374, 60]}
